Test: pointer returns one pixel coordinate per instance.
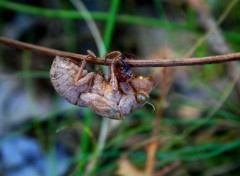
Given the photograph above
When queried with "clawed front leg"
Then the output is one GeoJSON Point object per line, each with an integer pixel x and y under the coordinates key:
{"type": "Point", "coordinates": [115, 55]}
{"type": "Point", "coordinates": [113, 81]}
{"type": "Point", "coordinates": [80, 71]}
{"type": "Point", "coordinates": [112, 55]}
{"type": "Point", "coordinates": [83, 65]}
{"type": "Point", "coordinates": [93, 56]}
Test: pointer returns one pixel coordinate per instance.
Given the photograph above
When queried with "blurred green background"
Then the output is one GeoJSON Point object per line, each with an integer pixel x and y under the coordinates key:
{"type": "Point", "coordinates": [194, 129]}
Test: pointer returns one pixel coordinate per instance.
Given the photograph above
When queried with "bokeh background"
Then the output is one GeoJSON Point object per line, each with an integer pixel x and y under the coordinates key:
{"type": "Point", "coordinates": [194, 128]}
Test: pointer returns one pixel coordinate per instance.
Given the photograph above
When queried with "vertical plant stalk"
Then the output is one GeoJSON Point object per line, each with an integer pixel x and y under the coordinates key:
{"type": "Point", "coordinates": [153, 146]}
{"type": "Point", "coordinates": [91, 25]}
{"type": "Point", "coordinates": [111, 23]}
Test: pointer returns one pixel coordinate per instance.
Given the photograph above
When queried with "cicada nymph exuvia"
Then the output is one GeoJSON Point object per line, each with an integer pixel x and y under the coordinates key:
{"type": "Point", "coordinates": [114, 97]}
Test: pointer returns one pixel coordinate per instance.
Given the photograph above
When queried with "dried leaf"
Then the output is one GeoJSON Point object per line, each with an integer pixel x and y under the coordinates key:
{"type": "Point", "coordinates": [126, 168]}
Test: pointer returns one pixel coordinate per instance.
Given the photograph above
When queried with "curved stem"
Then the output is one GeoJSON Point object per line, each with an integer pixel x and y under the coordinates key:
{"type": "Point", "coordinates": [133, 63]}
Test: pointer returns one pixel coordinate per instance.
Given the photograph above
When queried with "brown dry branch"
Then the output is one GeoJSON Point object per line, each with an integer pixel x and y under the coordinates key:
{"type": "Point", "coordinates": [133, 63]}
{"type": "Point", "coordinates": [165, 76]}
{"type": "Point", "coordinates": [151, 153]}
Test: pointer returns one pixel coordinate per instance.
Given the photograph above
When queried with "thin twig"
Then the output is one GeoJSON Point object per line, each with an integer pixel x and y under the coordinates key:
{"type": "Point", "coordinates": [133, 63]}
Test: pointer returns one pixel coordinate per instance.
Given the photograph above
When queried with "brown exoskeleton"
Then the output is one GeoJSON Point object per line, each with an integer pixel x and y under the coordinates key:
{"type": "Point", "coordinates": [114, 97]}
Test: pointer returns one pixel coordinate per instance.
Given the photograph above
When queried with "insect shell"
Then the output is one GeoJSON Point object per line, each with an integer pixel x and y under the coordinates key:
{"type": "Point", "coordinates": [107, 97]}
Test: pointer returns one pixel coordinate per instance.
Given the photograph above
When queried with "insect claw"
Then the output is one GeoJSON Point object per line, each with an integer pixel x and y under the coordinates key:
{"type": "Point", "coordinates": [91, 54]}
{"type": "Point", "coordinates": [113, 54]}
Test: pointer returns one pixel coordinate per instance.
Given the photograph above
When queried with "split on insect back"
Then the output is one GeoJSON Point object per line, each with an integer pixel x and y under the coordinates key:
{"type": "Point", "coordinates": [114, 97]}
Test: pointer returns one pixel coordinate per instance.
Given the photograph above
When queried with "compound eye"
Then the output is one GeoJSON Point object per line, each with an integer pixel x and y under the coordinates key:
{"type": "Point", "coordinates": [142, 97]}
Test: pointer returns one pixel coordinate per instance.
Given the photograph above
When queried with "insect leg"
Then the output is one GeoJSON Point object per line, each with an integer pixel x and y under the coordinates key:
{"type": "Point", "coordinates": [93, 56]}
{"type": "Point", "coordinates": [113, 81]}
{"type": "Point", "coordinates": [112, 54]}
{"type": "Point", "coordinates": [79, 75]}
{"type": "Point", "coordinates": [83, 65]}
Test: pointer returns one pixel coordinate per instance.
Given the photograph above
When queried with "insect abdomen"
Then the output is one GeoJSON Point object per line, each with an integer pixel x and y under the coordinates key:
{"type": "Point", "coordinates": [63, 73]}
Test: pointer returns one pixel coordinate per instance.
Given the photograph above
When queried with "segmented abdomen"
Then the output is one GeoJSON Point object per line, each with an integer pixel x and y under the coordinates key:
{"type": "Point", "coordinates": [63, 73]}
